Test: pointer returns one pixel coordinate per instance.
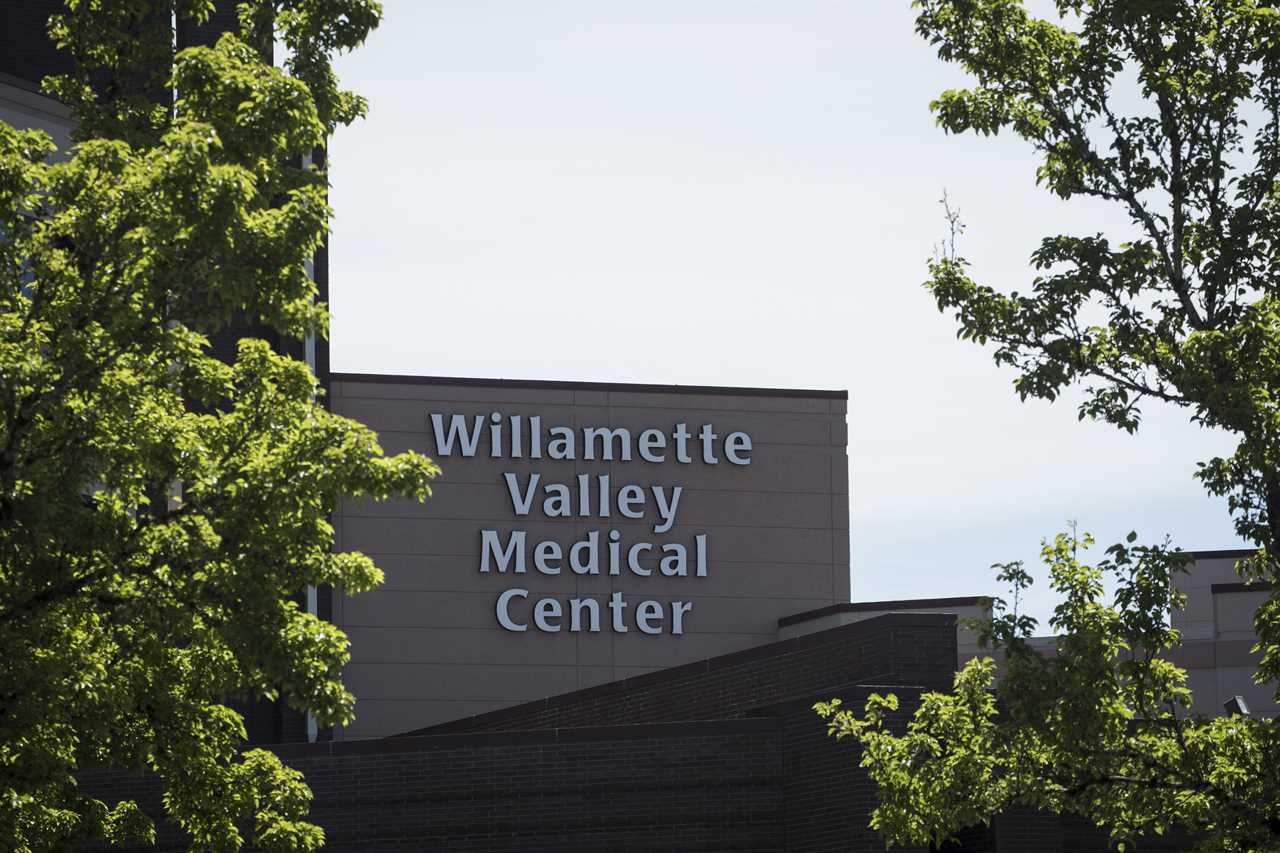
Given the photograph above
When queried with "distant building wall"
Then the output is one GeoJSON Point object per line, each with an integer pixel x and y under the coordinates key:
{"type": "Point", "coordinates": [1218, 636]}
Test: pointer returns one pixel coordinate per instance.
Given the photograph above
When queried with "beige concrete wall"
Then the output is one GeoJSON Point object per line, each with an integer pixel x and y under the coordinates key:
{"type": "Point", "coordinates": [427, 647]}
{"type": "Point", "coordinates": [23, 108]}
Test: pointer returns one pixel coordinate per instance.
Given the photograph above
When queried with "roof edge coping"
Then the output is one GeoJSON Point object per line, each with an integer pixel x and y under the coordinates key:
{"type": "Point", "coordinates": [902, 605]}
{"type": "Point", "coordinates": [462, 740]}
{"type": "Point", "coordinates": [1227, 588]}
{"type": "Point", "coordinates": [1223, 553]}
{"type": "Point", "coordinates": [639, 388]}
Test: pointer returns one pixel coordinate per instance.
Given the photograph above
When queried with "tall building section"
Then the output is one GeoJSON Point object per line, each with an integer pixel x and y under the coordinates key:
{"type": "Point", "coordinates": [27, 56]}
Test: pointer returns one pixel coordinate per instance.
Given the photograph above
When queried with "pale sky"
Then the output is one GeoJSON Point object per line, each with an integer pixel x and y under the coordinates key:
{"type": "Point", "coordinates": [733, 192]}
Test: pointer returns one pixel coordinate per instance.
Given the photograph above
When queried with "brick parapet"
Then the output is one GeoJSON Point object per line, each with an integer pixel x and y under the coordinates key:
{"type": "Point", "coordinates": [907, 648]}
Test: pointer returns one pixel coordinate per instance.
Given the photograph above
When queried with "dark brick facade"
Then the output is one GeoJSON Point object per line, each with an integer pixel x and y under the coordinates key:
{"type": "Point", "coordinates": [726, 754]}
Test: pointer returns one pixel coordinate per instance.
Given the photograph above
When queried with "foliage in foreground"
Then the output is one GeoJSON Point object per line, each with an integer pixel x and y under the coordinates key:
{"type": "Point", "coordinates": [1168, 110]}
{"type": "Point", "coordinates": [1099, 727]}
{"type": "Point", "coordinates": [160, 510]}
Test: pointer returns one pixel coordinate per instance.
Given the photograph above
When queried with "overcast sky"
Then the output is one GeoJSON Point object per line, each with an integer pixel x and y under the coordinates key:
{"type": "Point", "coordinates": [727, 192]}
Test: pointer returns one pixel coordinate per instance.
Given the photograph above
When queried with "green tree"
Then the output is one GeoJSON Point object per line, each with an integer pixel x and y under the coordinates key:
{"type": "Point", "coordinates": [161, 510]}
{"type": "Point", "coordinates": [1169, 110]}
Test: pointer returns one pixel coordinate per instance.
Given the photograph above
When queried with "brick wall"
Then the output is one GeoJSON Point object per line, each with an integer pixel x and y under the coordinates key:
{"type": "Point", "coordinates": [693, 786]}
{"type": "Point", "coordinates": [828, 798]}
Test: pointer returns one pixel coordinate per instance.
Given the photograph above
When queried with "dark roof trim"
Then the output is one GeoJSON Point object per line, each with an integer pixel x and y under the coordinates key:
{"type": "Point", "coordinates": [852, 694]}
{"type": "Point", "coordinates": [29, 96]}
{"type": "Point", "coordinates": [430, 743]}
{"type": "Point", "coordinates": [634, 388]}
{"type": "Point", "coordinates": [21, 83]}
{"type": "Point", "coordinates": [865, 606]}
{"type": "Point", "coordinates": [1226, 588]}
{"type": "Point", "coordinates": [1224, 554]}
